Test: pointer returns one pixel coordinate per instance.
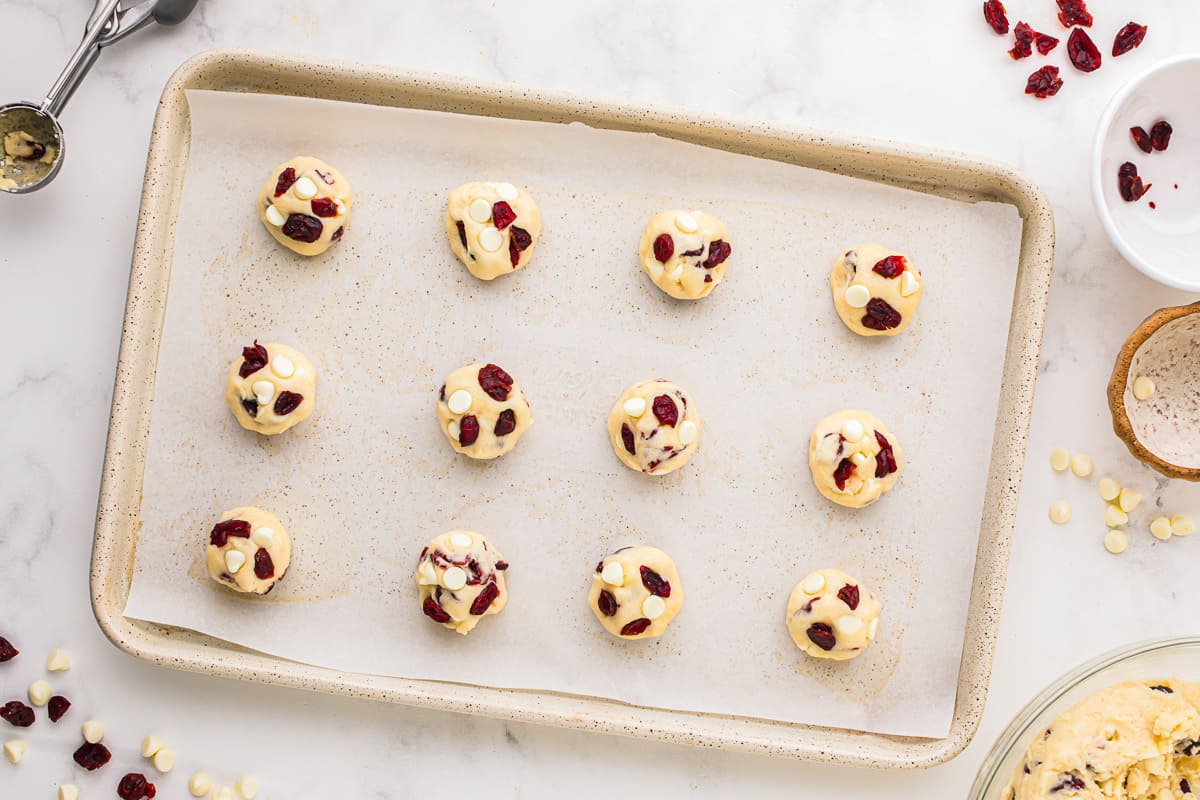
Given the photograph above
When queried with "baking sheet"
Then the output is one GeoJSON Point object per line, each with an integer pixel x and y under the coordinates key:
{"type": "Point", "coordinates": [386, 314]}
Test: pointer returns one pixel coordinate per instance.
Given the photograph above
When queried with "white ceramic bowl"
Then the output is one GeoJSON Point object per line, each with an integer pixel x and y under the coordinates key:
{"type": "Point", "coordinates": [1162, 242]}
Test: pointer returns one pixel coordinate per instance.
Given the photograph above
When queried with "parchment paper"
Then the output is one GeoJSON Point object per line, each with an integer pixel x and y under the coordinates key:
{"type": "Point", "coordinates": [385, 315]}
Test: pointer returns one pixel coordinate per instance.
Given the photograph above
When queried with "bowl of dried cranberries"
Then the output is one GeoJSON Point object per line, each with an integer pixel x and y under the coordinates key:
{"type": "Point", "coordinates": [1146, 172]}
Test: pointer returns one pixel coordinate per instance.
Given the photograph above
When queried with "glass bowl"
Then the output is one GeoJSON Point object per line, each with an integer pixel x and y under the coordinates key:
{"type": "Point", "coordinates": [1162, 658]}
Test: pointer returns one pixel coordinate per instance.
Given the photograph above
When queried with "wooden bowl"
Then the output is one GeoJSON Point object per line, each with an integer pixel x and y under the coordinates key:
{"type": "Point", "coordinates": [1163, 430]}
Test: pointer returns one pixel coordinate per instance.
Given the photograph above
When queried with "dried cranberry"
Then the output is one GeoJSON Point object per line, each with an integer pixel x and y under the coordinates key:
{"type": "Point", "coordinates": [1044, 83]}
{"type": "Point", "coordinates": [627, 439]}
{"type": "Point", "coordinates": [17, 714]}
{"type": "Point", "coordinates": [501, 565]}
{"type": "Point", "coordinates": [821, 635]}
{"type": "Point", "coordinates": [285, 181]}
{"type": "Point", "coordinates": [502, 214]}
{"type": "Point", "coordinates": [134, 786]}
{"type": "Point", "coordinates": [1024, 36]}
{"type": "Point", "coordinates": [1160, 135]}
{"type": "Point", "coordinates": [880, 316]}
{"type": "Point", "coordinates": [1045, 42]}
{"type": "Point", "coordinates": [506, 423]}
{"type": "Point", "coordinates": [637, 626]}
{"type": "Point", "coordinates": [1068, 782]}
{"type": "Point", "coordinates": [1130, 183]}
{"type": "Point", "coordinates": [994, 13]}
{"type": "Point", "coordinates": [1128, 38]}
{"type": "Point", "coordinates": [842, 473]}
{"type": "Point", "coordinates": [337, 235]}
{"type": "Point", "coordinates": [57, 707]}
{"type": "Point", "coordinates": [718, 252]}
{"type": "Point", "coordinates": [327, 177]}
{"type": "Point", "coordinates": [485, 599]}
{"type": "Point", "coordinates": [1074, 12]}
{"type": "Point", "coordinates": [324, 207]}
{"type": "Point", "coordinates": [251, 406]}
{"type": "Point", "coordinates": [264, 567]}
{"type": "Point", "coordinates": [462, 232]}
{"type": "Point", "coordinates": [254, 358]}
{"type": "Point", "coordinates": [889, 267]}
{"type": "Point", "coordinates": [518, 242]}
{"type": "Point", "coordinates": [1084, 54]}
{"type": "Point", "coordinates": [655, 583]}
{"type": "Point", "coordinates": [7, 651]}
{"type": "Point", "coordinates": [808, 607]}
{"type": "Point", "coordinates": [664, 247]}
{"type": "Point", "coordinates": [599, 566]}
{"type": "Point", "coordinates": [1184, 786]}
{"type": "Point", "coordinates": [92, 756]}
{"type": "Point", "coordinates": [468, 430]}
{"type": "Point", "coordinates": [302, 228]}
{"type": "Point", "coordinates": [607, 603]}
{"type": "Point", "coordinates": [434, 611]}
{"type": "Point", "coordinates": [885, 460]}
{"type": "Point", "coordinates": [1163, 689]}
{"type": "Point", "coordinates": [1141, 138]}
{"type": "Point", "coordinates": [665, 410]}
{"type": "Point", "coordinates": [230, 527]}
{"type": "Point", "coordinates": [495, 381]}
{"type": "Point", "coordinates": [848, 594]}
{"type": "Point", "coordinates": [698, 251]}
{"type": "Point", "coordinates": [287, 402]}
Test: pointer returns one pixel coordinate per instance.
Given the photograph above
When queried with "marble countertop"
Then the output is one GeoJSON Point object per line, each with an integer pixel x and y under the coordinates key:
{"type": "Point", "coordinates": [926, 72]}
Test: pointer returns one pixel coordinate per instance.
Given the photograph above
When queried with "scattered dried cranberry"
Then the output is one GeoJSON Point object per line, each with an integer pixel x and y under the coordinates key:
{"type": "Point", "coordinates": [501, 565]}
{"type": "Point", "coordinates": [337, 235]}
{"type": "Point", "coordinates": [1160, 135]}
{"type": "Point", "coordinates": [655, 583]}
{"type": "Point", "coordinates": [627, 440]}
{"type": "Point", "coordinates": [324, 207]}
{"type": "Point", "coordinates": [264, 567]}
{"type": "Point", "coordinates": [92, 756]}
{"type": "Point", "coordinates": [230, 527]}
{"type": "Point", "coordinates": [468, 430]}
{"type": "Point", "coordinates": [889, 267]}
{"type": "Point", "coordinates": [1074, 12]}
{"type": "Point", "coordinates": [1141, 138]}
{"type": "Point", "coordinates": [485, 599]}
{"type": "Point", "coordinates": [7, 651]}
{"type": "Point", "coordinates": [495, 382]}
{"type": "Point", "coordinates": [462, 232]}
{"type": "Point", "coordinates": [1045, 42]}
{"type": "Point", "coordinates": [518, 242]}
{"type": "Point", "coordinates": [845, 469]}
{"type": "Point", "coordinates": [134, 786]}
{"type": "Point", "coordinates": [502, 214]}
{"type": "Point", "coordinates": [848, 594]}
{"type": "Point", "coordinates": [637, 626]}
{"type": "Point", "coordinates": [665, 410]}
{"type": "Point", "coordinates": [1044, 83]}
{"type": "Point", "coordinates": [254, 358]}
{"type": "Point", "coordinates": [1024, 36]}
{"type": "Point", "coordinates": [880, 315]}
{"type": "Point", "coordinates": [434, 611]}
{"type": "Point", "coordinates": [718, 252]}
{"type": "Point", "coordinates": [996, 16]}
{"type": "Point", "coordinates": [287, 402]}
{"type": "Point", "coordinates": [1084, 54]}
{"type": "Point", "coordinates": [698, 251]}
{"type": "Point", "coordinates": [1130, 183]}
{"type": "Point", "coordinates": [821, 635]}
{"type": "Point", "coordinates": [664, 248]}
{"type": "Point", "coordinates": [1128, 38]}
{"type": "Point", "coordinates": [57, 707]}
{"type": "Point", "coordinates": [1068, 782]}
{"type": "Point", "coordinates": [607, 603]}
{"type": "Point", "coordinates": [302, 228]}
{"type": "Point", "coordinates": [17, 714]}
{"type": "Point", "coordinates": [251, 406]}
{"type": "Point", "coordinates": [506, 423]}
{"type": "Point", "coordinates": [885, 460]}
{"type": "Point", "coordinates": [285, 181]}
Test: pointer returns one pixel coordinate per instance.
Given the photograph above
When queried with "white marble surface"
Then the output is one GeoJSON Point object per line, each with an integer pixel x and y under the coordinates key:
{"type": "Point", "coordinates": [926, 72]}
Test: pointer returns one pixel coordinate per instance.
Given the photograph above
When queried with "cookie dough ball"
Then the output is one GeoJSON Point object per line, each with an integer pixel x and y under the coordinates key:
{"type": "Point", "coordinates": [248, 550]}
{"type": "Point", "coordinates": [492, 227]}
{"type": "Point", "coordinates": [636, 592]}
{"type": "Point", "coordinates": [305, 205]}
{"type": "Point", "coordinates": [684, 253]}
{"type": "Point", "coordinates": [271, 388]}
{"type": "Point", "coordinates": [853, 458]}
{"type": "Point", "coordinates": [831, 615]}
{"type": "Point", "coordinates": [654, 427]}
{"type": "Point", "coordinates": [875, 290]}
{"type": "Point", "coordinates": [482, 411]}
{"type": "Point", "coordinates": [460, 577]}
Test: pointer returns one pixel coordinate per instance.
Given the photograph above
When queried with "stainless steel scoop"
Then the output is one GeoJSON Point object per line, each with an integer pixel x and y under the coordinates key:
{"type": "Point", "coordinates": [32, 149]}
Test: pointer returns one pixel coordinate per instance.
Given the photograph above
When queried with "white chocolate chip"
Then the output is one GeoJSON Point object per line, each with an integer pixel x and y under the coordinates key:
{"type": "Point", "coordinates": [848, 624]}
{"type": "Point", "coordinates": [490, 239]}
{"type": "Point", "coordinates": [687, 432]}
{"type": "Point", "coordinates": [263, 391]}
{"type": "Point", "coordinates": [93, 731]}
{"type": "Point", "coordinates": [853, 431]}
{"type": "Point", "coordinates": [274, 216]}
{"type": "Point", "coordinates": [1128, 500]}
{"type": "Point", "coordinates": [224, 793]}
{"type": "Point", "coordinates": [653, 607]}
{"type": "Point", "coordinates": [39, 693]}
{"type": "Point", "coordinates": [151, 745]}
{"type": "Point", "coordinates": [686, 222]}
{"type": "Point", "coordinates": [1143, 387]}
{"type": "Point", "coordinates": [613, 574]}
{"type": "Point", "coordinates": [1182, 525]}
{"type": "Point", "coordinates": [68, 791]}
{"type": "Point", "coordinates": [1060, 512]}
{"type": "Point", "coordinates": [1160, 528]}
{"type": "Point", "coordinates": [246, 787]}
{"type": "Point", "coordinates": [1115, 541]}
{"type": "Point", "coordinates": [909, 285]}
{"type": "Point", "coordinates": [1114, 517]}
{"type": "Point", "coordinates": [1109, 490]}
{"type": "Point", "coordinates": [304, 188]}
{"type": "Point", "coordinates": [676, 274]}
{"type": "Point", "coordinates": [1060, 459]}
{"type": "Point", "coordinates": [452, 429]}
{"type": "Point", "coordinates": [454, 578]}
{"type": "Point", "coordinates": [234, 560]}
{"type": "Point", "coordinates": [199, 784]}
{"type": "Point", "coordinates": [164, 760]}
{"type": "Point", "coordinates": [635, 406]}
{"type": "Point", "coordinates": [859, 459]}
{"type": "Point", "coordinates": [1081, 465]}
{"type": "Point", "coordinates": [461, 540]}
{"type": "Point", "coordinates": [857, 296]}
{"type": "Point", "coordinates": [459, 401]}
{"type": "Point", "coordinates": [506, 192]}
{"type": "Point", "coordinates": [872, 628]}
{"type": "Point", "coordinates": [426, 575]}
{"type": "Point", "coordinates": [283, 366]}
{"type": "Point", "coordinates": [58, 661]}
{"type": "Point", "coordinates": [14, 750]}
{"type": "Point", "coordinates": [263, 537]}
{"type": "Point", "coordinates": [813, 583]}
{"type": "Point", "coordinates": [480, 210]}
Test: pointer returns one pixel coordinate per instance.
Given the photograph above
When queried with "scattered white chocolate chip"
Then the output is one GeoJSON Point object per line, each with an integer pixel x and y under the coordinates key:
{"type": "Point", "coordinates": [676, 274]}
{"type": "Point", "coordinates": [460, 540]}
{"type": "Point", "coordinates": [872, 628]}
{"type": "Point", "coordinates": [869, 485]}
{"type": "Point", "coordinates": [452, 429]}
{"type": "Point", "coordinates": [263, 391]}
{"type": "Point", "coordinates": [1060, 512]}
{"type": "Point", "coordinates": [813, 583]}
{"type": "Point", "coordinates": [687, 432]}
{"type": "Point", "coordinates": [93, 731]}
{"type": "Point", "coordinates": [1182, 525]}
{"type": "Point", "coordinates": [506, 192]}
{"type": "Point", "coordinates": [246, 787]}
{"type": "Point", "coordinates": [151, 745]}
{"type": "Point", "coordinates": [283, 366]}
{"type": "Point", "coordinates": [234, 560]}
{"type": "Point", "coordinates": [859, 459]}
{"type": "Point", "coordinates": [164, 760]}
{"type": "Point", "coordinates": [1115, 541]}
{"type": "Point", "coordinates": [68, 791]}
{"type": "Point", "coordinates": [274, 216]}
{"type": "Point", "coordinates": [1109, 490]}
{"type": "Point", "coordinates": [1143, 387]}
{"type": "Point", "coordinates": [341, 208]}
{"type": "Point", "coordinates": [15, 749]}
{"type": "Point", "coordinates": [263, 537]}
{"type": "Point", "coordinates": [857, 296]}
{"type": "Point", "coordinates": [613, 574]}
{"type": "Point", "coordinates": [848, 624]}
{"type": "Point", "coordinates": [454, 578]}
{"type": "Point", "coordinates": [1060, 459]}
{"type": "Point", "coordinates": [635, 406]}
{"type": "Point", "coordinates": [653, 607]}
{"type": "Point", "coordinates": [58, 661]}
{"type": "Point", "coordinates": [480, 210]}
{"type": "Point", "coordinates": [1128, 500]}
{"type": "Point", "coordinates": [39, 693]}
{"type": "Point", "coordinates": [853, 431]}
{"type": "Point", "coordinates": [686, 222]}
{"type": "Point", "coordinates": [1081, 465]}
{"type": "Point", "coordinates": [1114, 517]}
{"type": "Point", "coordinates": [1160, 528]}
{"type": "Point", "coordinates": [490, 239]}
{"type": "Point", "coordinates": [199, 784]}
{"type": "Point", "coordinates": [304, 188]}
{"type": "Point", "coordinates": [909, 285]}
{"type": "Point", "coordinates": [459, 401]}
{"type": "Point", "coordinates": [426, 575]}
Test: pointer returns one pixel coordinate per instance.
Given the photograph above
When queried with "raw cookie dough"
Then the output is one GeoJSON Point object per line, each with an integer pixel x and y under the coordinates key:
{"type": "Point", "coordinates": [270, 388]}
{"type": "Point", "coordinates": [853, 458]}
{"type": "Point", "coordinates": [460, 577]}
{"type": "Point", "coordinates": [831, 615]}
{"type": "Point", "coordinates": [31, 148]}
{"type": "Point", "coordinates": [492, 227]}
{"type": "Point", "coordinates": [1138, 740]}
{"type": "Point", "coordinates": [654, 427]}
{"type": "Point", "coordinates": [248, 550]}
{"type": "Point", "coordinates": [684, 252]}
{"type": "Point", "coordinates": [482, 411]}
{"type": "Point", "coordinates": [875, 290]}
{"type": "Point", "coordinates": [636, 592]}
{"type": "Point", "coordinates": [305, 205]}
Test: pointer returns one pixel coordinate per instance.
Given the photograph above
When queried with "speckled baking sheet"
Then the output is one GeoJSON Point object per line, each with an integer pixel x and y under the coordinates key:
{"type": "Point", "coordinates": [387, 313]}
